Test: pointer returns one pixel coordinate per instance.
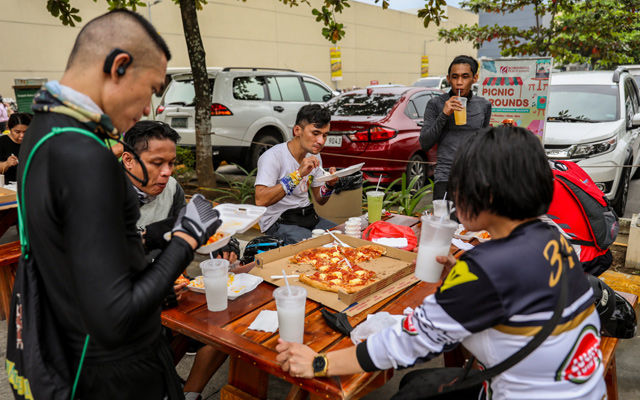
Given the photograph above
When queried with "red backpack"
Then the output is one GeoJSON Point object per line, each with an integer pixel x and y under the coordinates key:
{"type": "Point", "coordinates": [580, 208]}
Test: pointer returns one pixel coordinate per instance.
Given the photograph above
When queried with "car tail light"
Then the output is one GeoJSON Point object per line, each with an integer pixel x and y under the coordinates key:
{"type": "Point", "coordinates": [159, 110]}
{"type": "Point", "coordinates": [373, 134]}
{"type": "Point", "coordinates": [219, 109]}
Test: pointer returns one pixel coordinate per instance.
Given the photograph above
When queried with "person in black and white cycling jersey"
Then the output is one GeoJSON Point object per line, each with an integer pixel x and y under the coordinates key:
{"type": "Point", "coordinates": [495, 297]}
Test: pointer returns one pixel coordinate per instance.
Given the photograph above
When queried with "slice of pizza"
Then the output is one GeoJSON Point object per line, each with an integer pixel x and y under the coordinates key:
{"type": "Point", "coordinates": [337, 278]}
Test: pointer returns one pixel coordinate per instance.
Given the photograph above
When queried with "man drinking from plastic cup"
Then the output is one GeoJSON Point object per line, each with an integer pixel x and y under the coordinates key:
{"type": "Point", "coordinates": [447, 121]}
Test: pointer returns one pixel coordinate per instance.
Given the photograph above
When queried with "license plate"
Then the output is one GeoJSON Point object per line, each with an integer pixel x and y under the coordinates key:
{"type": "Point", "coordinates": [178, 122]}
{"type": "Point", "coordinates": [333, 141]}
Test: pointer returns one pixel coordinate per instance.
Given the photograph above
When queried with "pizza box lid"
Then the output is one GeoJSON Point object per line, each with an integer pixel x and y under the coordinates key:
{"type": "Point", "coordinates": [394, 270]}
{"type": "Point", "coordinates": [236, 218]}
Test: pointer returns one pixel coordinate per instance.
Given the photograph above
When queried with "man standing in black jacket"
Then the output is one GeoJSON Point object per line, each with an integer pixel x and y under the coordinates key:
{"type": "Point", "coordinates": [439, 124]}
{"type": "Point", "coordinates": [81, 214]}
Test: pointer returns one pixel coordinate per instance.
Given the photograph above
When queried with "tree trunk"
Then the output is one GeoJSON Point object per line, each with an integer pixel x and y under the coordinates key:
{"type": "Point", "coordinates": [197, 58]}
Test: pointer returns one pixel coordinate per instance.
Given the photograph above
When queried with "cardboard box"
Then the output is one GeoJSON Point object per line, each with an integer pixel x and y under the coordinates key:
{"type": "Point", "coordinates": [8, 199]}
{"type": "Point", "coordinates": [394, 272]}
{"type": "Point", "coordinates": [340, 207]}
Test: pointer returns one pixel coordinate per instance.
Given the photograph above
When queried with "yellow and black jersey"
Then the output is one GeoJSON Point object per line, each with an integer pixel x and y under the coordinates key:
{"type": "Point", "coordinates": [494, 300]}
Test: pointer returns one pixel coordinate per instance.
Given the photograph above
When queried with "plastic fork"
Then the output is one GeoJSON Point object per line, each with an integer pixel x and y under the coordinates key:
{"type": "Point", "coordinates": [343, 244]}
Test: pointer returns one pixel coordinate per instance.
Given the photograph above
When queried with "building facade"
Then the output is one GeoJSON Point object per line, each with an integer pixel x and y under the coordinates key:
{"type": "Point", "coordinates": [379, 45]}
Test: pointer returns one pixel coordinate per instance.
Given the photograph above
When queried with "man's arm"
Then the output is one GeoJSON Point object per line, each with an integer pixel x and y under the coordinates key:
{"type": "Point", "coordinates": [435, 120]}
{"type": "Point", "coordinates": [267, 196]}
{"type": "Point", "coordinates": [487, 116]}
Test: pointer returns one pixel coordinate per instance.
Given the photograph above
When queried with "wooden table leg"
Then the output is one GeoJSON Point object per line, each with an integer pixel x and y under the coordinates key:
{"type": "Point", "coordinates": [7, 277]}
{"type": "Point", "coordinates": [180, 345]}
{"type": "Point", "coordinates": [611, 379]}
{"type": "Point", "coordinates": [246, 382]}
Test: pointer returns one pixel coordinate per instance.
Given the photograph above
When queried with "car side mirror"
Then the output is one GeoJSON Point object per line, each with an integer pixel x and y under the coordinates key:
{"type": "Point", "coordinates": [327, 97]}
{"type": "Point", "coordinates": [635, 122]}
{"type": "Point", "coordinates": [420, 123]}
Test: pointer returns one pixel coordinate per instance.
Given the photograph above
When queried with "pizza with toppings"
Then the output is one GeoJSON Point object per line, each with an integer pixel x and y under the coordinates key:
{"type": "Point", "coordinates": [348, 277]}
{"type": "Point", "coordinates": [337, 267]}
{"type": "Point", "coordinates": [330, 255]}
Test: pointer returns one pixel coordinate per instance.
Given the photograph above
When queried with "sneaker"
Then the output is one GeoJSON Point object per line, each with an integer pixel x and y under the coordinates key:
{"type": "Point", "coordinates": [192, 396]}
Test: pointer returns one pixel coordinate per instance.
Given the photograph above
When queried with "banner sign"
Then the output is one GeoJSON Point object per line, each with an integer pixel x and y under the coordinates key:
{"type": "Point", "coordinates": [517, 89]}
{"type": "Point", "coordinates": [424, 68]}
{"type": "Point", "coordinates": [336, 64]}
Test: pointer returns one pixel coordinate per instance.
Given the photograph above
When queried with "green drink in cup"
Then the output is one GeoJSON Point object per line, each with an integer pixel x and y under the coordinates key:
{"type": "Point", "coordinates": [374, 201]}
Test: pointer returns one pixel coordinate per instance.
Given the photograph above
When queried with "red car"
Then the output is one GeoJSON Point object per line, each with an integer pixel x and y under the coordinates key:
{"type": "Point", "coordinates": [380, 127]}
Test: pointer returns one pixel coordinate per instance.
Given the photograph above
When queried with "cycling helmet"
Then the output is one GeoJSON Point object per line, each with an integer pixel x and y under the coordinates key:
{"type": "Point", "coordinates": [617, 317]}
{"type": "Point", "coordinates": [260, 245]}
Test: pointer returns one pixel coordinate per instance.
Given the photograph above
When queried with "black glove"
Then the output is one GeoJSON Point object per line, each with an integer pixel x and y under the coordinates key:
{"type": "Point", "coordinates": [154, 237]}
{"type": "Point", "coordinates": [198, 220]}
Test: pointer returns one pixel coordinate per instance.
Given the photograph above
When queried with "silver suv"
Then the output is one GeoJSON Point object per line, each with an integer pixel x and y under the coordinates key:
{"type": "Point", "coordinates": [593, 119]}
{"type": "Point", "coordinates": [251, 109]}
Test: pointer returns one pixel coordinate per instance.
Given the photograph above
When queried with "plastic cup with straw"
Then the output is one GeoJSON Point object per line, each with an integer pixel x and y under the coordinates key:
{"type": "Point", "coordinates": [374, 201]}
{"type": "Point", "coordinates": [290, 304]}
{"type": "Point", "coordinates": [461, 116]}
{"type": "Point", "coordinates": [435, 240]}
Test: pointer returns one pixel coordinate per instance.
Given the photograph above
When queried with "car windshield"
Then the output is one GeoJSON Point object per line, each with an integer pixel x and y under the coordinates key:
{"type": "Point", "coordinates": [428, 82]}
{"type": "Point", "coordinates": [182, 93]}
{"type": "Point", "coordinates": [362, 105]}
{"type": "Point", "coordinates": [589, 103]}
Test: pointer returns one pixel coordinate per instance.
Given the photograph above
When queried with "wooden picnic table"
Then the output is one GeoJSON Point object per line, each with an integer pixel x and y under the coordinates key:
{"type": "Point", "coordinates": [9, 254]}
{"type": "Point", "coordinates": [252, 353]}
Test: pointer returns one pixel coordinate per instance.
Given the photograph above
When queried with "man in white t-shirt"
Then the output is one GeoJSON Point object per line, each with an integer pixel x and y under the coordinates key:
{"type": "Point", "coordinates": [285, 173]}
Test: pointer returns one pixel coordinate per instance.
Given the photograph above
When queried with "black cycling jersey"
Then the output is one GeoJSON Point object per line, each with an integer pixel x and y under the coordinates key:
{"type": "Point", "coordinates": [81, 216]}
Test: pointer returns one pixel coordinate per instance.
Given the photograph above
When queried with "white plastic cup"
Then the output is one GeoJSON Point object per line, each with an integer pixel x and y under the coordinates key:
{"type": "Point", "coordinates": [356, 219]}
{"type": "Point", "coordinates": [215, 274]}
{"type": "Point", "coordinates": [1, 180]}
{"type": "Point", "coordinates": [291, 307]}
{"type": "Point", "coordinates": [352, 231]}
{"type": "Point", "coordinates": [435, 240]}
{"type": "Point", "coordinates": [442, 207]}
{"type": "Point", "coordinates": [317, 232]}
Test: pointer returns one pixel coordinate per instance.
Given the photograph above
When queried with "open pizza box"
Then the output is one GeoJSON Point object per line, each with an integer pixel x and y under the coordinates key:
{"type": "Point", "coordinates": [8, 198]}
{"type": "Point", "coordinates": [394, 272]}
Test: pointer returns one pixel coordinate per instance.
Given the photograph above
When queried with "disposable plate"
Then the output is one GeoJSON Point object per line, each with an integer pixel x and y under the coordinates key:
{"type": "Point", "coordinates": [343, 172]}
{"type": "Point", "coordinates": [236, 218]}
{"type": "Point", "coordinates": [237, 285]}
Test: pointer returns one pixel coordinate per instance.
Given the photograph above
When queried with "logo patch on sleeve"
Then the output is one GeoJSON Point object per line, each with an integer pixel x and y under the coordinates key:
{"type": "Point", "coordinates": [459, 274]}
{"type": "Point", "coordinates": [407, 325]}
{"type": "Point", "coordinates": [583, 359]}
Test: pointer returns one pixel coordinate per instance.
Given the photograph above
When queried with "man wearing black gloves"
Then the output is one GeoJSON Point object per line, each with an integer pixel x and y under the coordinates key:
{"type": "Point", "coordinates": [81, 214]}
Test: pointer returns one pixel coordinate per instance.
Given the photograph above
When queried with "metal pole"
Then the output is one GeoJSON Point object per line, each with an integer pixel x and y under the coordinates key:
{"type": "Point", "coordinates": [149, 7]}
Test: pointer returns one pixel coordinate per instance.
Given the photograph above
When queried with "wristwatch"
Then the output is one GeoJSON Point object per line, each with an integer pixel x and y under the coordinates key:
{"type": "Point", "coordinates": [320, 365]}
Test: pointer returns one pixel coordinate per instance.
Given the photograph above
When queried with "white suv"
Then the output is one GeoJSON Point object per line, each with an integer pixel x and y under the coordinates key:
{"type": "Point", "coordinates": [593, 119]}
{"type": "Point", "coordinates": [438, 82]}
{"type": "Point", "coordinates": [251, 109]}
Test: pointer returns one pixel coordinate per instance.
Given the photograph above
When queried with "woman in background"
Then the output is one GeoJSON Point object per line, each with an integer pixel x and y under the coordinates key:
{"type": "Point", "coordinates": [10, 145]}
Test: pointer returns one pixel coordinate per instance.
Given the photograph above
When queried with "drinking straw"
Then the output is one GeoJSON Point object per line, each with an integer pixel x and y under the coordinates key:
{"type": "Point", "coordinates": [447, 214]}
{"type": "Point", "coordinates": [379, 179]}
{"type": "Point", "coordinates": [458, 92]}
{"type": "Point", "coordinates": [445, 196]}
{"type": "Point", "coordinates": [287, 282]}
{"type": "Point", "coordinates": [211, 255]}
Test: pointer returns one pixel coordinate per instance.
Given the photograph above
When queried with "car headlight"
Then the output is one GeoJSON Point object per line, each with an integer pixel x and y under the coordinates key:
{"type": "Point", "coordinates": [592, 149]}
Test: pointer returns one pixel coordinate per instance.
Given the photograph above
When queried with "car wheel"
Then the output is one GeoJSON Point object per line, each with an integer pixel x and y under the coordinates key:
{"type": "Point", "coordinates": [266, 142]}
{"type": "Point", "coordinates": [415, 167]}
{"type": "Point", "coordinates": [621, 194]}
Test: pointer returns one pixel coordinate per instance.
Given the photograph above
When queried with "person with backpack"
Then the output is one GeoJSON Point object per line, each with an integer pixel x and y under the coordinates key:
{"type": "Point", "coordinates": [583, 212]}
{"type": "Point", "coordinates": [96, 297]}
{"type": "Point", "coordinates": [495, 299]}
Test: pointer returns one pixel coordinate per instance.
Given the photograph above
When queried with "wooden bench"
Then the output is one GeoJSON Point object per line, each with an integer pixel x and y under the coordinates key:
{"type": "Point", "coordinates": [9, 255]}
